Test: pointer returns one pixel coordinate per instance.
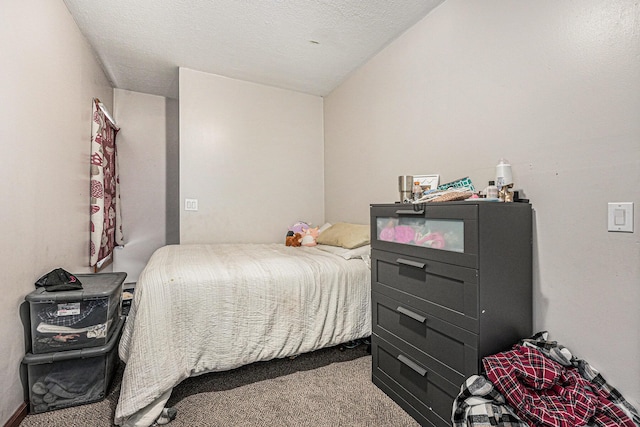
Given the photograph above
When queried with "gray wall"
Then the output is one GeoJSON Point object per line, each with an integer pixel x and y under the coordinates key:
{"type": "Point", "coordinates": [142, 162]}
{"type": "Point", "coordinates": [173, 171]}
{"type": "Point", "coordinates": [49, 78]}
{"type": "Point", "coordinates": [252, 155]}
{"type": "Point", "coordinates": [553, 86]}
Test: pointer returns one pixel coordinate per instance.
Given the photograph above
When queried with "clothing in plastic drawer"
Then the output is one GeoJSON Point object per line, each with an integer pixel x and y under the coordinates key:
{"type": "Point", "coordinates": [70, 378]}
{"type": "Point", "coordinates": [69, 320]}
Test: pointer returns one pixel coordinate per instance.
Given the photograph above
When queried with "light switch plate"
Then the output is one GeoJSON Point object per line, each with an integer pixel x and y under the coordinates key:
{"type": "Point", "coordinates": [620, 217]}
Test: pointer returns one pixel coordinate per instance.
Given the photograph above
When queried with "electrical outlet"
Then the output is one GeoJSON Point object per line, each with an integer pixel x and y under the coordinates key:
{"type": "Point", "coordinates": [190, 204]}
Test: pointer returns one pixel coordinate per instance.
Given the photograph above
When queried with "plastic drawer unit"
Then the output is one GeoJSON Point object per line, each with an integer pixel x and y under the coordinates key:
{"type": "Point", "coordinates": [69, 320]}
{"type": "Point", "coordinates": [70, 378]}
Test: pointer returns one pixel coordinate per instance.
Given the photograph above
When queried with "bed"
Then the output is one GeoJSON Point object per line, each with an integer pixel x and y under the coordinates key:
{"type": "Point", "coordinates": [208, 308]}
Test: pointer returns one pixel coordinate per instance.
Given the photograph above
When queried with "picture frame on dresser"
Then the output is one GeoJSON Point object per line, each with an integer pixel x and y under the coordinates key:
{"type": "Point", "coordinates": [427, 182]}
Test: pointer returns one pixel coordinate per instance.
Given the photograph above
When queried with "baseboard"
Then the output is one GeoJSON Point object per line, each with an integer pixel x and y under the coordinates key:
{"type": "Point", "coordinates": [18, 416]}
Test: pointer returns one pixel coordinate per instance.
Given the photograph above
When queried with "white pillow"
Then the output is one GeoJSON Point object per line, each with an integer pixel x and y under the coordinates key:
{"type": "Point", "coordinates": [324, 227]}
{"type": "Point", "coordinates": [346, 253]}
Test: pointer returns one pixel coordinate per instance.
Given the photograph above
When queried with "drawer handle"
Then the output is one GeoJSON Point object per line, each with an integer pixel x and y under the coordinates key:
{"type": "Point", "coordinates": [402, 261]}
{"type": "Point", "coordinates": [409, 212]}
{"type": "Point", "coordinates": [409, 313]}
{"type": "Point", "coordinates": [413, 365]}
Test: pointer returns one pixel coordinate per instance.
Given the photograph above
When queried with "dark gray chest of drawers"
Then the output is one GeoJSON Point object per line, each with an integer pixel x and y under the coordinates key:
{"type": "Point", "coordinates": [451, 284]}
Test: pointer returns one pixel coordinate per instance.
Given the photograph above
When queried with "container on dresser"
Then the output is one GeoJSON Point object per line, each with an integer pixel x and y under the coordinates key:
{"type": "Point", "coordinates": [73, 377]}
{"type": "Point", "coordinates": [68, 320]}
{"type": "Point", "coordinates": [451, 284]}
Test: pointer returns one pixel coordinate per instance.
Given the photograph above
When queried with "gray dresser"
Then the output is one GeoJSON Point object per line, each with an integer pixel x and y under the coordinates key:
{"type": "Point", "coordinates": [451, 283]}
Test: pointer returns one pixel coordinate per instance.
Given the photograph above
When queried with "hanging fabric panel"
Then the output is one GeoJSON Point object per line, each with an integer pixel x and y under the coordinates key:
{"type": "Point", "coordinates": [106, 223]}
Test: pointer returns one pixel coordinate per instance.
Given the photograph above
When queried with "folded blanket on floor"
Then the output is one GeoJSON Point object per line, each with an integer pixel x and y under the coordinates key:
{"type": "Point", "coordinates": [545, 393]}
{"type": "Point", "coordinates": [560, 390]}
{"type": "Point", "coordinates": [563, 355]}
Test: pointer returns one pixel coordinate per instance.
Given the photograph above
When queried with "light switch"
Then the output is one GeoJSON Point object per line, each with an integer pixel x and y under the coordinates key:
{"type": "Point", "coordinates": [620, 217]}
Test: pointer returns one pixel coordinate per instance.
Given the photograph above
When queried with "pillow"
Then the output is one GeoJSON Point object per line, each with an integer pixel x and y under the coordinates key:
{"type": "Point", "coordinates": [346, 253]}
{"type": "Point", "coordinates": [345, 235]}
{"type": "Point", "coordinates": [324, 227]}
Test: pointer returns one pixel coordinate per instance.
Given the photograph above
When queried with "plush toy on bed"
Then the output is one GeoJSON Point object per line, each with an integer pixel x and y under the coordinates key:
{"type": "Point", "coordinates": [293, 239]}
{"type": "Point", "coordinates": [295, 233]}
{"type": "Point", "coordinates": [309, 236]}
{"type": "Point", "coordinates": [299, 227]}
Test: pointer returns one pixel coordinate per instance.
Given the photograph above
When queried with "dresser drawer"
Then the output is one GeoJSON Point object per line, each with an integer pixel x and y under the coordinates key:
{"type": "Point", "coordinates": [443, 290]}
{"type": "Point", "coordinates": [425, 395]}
{"type": "Point", "coordinates": [446, 349]}
{"type": "Point", "coordinates": [442, 233]}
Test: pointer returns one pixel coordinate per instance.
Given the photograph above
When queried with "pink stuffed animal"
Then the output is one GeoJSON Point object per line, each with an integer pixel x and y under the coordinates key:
{"type": "Point", "coordinates": [309, 236]}
{"type": "Point", "coordinates": [404, 234]}
{"type": "Point", "coordinates": [299, 226]}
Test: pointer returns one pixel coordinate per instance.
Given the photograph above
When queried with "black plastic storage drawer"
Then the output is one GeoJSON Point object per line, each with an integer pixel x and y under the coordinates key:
{"type": "Point", "coordinates": [447, 350]}
{"type": "Point", "coordinates": [69, 320]}
{"type": "Point", "coordinates": [444, 290]}
{"type": "Point", "coordinates": [425, 395]}
{"type": "Point", "coordinates": [70, 378]}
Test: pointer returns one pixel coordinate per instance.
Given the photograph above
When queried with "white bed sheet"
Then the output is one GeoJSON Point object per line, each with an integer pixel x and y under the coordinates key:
{"type": "Point", "coordinates": [206, 308]}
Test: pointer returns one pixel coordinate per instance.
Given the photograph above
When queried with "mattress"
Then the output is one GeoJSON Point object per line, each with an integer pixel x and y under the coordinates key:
{"type": "Point", "coordinates": [207, 308]}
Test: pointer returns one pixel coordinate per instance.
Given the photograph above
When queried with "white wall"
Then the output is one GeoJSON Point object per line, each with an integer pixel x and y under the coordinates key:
{"type": "Point", "coordinates": [253, 157]}
{"type": "Point", "coordinates": [142, 160]}
{"type": "Point", "coordinates": [49, 77]}
{"type": "Point", "coordinates": [553, 86]}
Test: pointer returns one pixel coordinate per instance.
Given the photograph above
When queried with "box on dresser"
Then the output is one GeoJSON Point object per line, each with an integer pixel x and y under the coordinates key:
{"type": "Point", "coordinates": [451, 283]}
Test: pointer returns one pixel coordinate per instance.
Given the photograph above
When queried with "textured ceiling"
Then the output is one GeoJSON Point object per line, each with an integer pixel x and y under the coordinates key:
{"type": "Point", "coordinates": [309, 46]}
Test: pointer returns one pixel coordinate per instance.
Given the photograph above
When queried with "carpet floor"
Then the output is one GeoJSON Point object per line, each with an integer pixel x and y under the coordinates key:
{"type": "Point", "coordinates": [328, 387]}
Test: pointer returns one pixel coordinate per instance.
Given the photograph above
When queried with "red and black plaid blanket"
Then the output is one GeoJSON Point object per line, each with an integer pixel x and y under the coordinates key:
{"type": "Point", "coordinates": [540, 383]}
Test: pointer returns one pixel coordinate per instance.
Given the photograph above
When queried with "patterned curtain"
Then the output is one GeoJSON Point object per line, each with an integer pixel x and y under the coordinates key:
{"type": "Point", "coordinates": [106, 224]}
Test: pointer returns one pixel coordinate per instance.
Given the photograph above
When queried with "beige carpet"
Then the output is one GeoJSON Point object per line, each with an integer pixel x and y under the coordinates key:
{"type": "Point", "coordinates": [328, 387]}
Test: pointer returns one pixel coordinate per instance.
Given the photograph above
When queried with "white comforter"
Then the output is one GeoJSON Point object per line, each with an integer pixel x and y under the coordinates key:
{"type": "Point", "coordinates": [204, 308]}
